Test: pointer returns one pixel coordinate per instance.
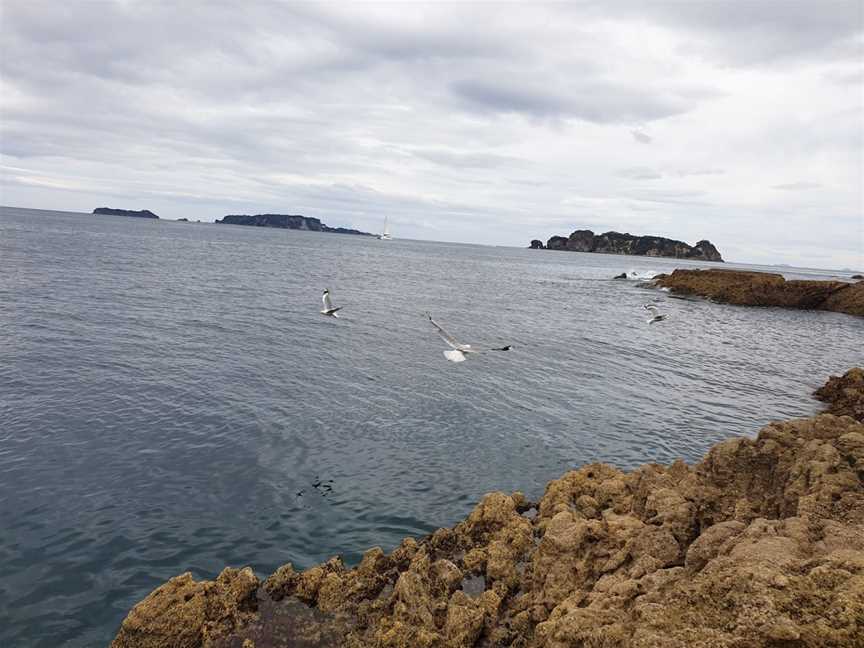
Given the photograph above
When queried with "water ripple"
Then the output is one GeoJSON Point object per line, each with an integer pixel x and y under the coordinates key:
{"type": "Point", "coordinates": [167, 390]}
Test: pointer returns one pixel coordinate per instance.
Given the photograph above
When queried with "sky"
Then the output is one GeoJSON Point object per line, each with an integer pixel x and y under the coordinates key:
{"type": "Point", "coordinates": [741, 122]}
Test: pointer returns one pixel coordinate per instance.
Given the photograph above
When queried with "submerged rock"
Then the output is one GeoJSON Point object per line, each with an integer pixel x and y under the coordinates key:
{"type": "Point", "coordinates": [759, 544]}
{"type": "Point", "coordinates": [747, 288]}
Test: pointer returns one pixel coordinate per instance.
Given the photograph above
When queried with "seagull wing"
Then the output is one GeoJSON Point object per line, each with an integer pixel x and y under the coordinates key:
{"type": "Point", "coordinates": [454, 355]}
{"type": "Point", "coordinates": [449, 339]}
{"type": "Point", "coordinates": [328, 304]}
{"type": "Point", "coordinates": [651, 308]}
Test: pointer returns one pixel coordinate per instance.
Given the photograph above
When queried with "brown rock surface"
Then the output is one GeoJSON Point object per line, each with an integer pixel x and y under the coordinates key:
{"type": "Point", "coordinates": [759, 544]}
{"type": "Point", "coordinates": [766, 289]}
{"type": "Point", "coordinates": [844, 394]}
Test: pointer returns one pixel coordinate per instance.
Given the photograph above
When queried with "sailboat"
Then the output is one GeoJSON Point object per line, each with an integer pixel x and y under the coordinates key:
{"type": "Point", "coordinates": [385, 234]}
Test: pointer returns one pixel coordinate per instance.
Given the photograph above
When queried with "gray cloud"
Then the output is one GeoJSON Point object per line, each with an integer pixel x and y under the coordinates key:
{"type": "Point", "coordinates": [350, 112]}
{"type": "Point", "coordinates": [598, 101]}
{"type": "Point", "coordinates": [641, 137]}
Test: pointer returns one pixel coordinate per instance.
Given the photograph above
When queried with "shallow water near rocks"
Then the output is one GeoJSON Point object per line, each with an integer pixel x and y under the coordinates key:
{"type": "Point", "coordinates": [167, 390]}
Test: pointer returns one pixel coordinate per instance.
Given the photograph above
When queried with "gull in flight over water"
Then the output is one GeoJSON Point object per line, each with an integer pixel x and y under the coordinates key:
{"type": "Point", "coordinates": [655, 314]}
{"type": "Point", "coordinates": [328, 305]}
{"type": "Point", "coordinates": [459, 351]}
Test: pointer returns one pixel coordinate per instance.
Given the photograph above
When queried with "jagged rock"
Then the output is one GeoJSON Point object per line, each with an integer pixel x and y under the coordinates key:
{"type": "Point", "coordinates": [617, 243]}
{"type": "Point", "coordinates": [844, 394]}
{"type": "Point", "coordinates": [623, 275]}
{"type": "Point", "coordinates": [759, 544]}
{"type": "Point", "coordinates": [184, 613]}
{"type": "Point", "coordinates": [557, 243]}
{"type": "Point", "coordinates": [142, 213]}
{"type": "Point", "coordinates": [765, 289]}
{"type": "Point", "coordinates": [536, 245]}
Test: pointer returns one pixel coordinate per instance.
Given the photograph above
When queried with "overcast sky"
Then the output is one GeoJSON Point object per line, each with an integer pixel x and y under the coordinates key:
{"type": "Point", "coordinates": [741, 122]}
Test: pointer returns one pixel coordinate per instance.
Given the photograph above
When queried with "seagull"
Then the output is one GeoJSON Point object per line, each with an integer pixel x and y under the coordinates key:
{"type": "Point", "coordinates": [459, 351]}
{"type": "Point", "coordinates": [328, 305]}
{"type": "Point", "coordinates": [656, 316]}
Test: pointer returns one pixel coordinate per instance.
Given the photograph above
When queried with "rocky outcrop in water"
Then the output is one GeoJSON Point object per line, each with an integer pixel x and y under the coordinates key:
{"type": "Point", "coordinates": [844, 394]}
{"type": "Point", "coordinates": [108, 211]}
{"type": "Point", "coordinates": [286, 221]}
{"type": "Point", "coordinates": [766, 289]}
{"type": "Point", "coordinates": [617, 243]}
{"type": "Point", "coordinates": [536, 245]}
{"type": "Point", "coordinates": [761, 544]}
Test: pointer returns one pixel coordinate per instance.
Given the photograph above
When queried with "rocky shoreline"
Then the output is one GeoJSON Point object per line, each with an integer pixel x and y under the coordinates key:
{"type": "Point", "coordinates": [746, 288]}
{"type": "Point", "coordinates": [759, 544]}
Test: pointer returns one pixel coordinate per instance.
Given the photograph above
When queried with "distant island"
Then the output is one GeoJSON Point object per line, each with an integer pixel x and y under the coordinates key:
{"type": "Point", "coordinates": [617, 243]}
{"type": "Point", "coordinates": [287, 221]}
{"type": "Point", "coordinates": [142, 213]}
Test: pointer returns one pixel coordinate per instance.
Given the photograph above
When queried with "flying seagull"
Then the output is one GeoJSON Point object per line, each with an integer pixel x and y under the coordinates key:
{"type": "Point", "coordinates": [328, 305]}
{"type": "Point", "coordinates": [459, 351]}
{"type": "Point", "coordinates": [655, 314]}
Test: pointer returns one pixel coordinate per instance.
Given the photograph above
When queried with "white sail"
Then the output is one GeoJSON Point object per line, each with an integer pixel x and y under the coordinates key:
{"type": "Point", "coordinates": [385, 234]}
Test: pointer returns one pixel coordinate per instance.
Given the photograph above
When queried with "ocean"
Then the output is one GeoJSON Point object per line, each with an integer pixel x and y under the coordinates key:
{"type": "Point", "coordinates": [169, 394]}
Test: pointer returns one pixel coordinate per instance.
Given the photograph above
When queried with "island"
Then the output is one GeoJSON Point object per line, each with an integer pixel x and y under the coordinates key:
{"type": "Point", "coordinates": [617, 243]}
{"type": "Point", "coordinates": [141, 213]}
{"type": "Point", "coordinates": [286, 221]}
{"type": "Point", "coordinates": [758, 544]}
{"type": "Point", "coordinates": [748, 288]}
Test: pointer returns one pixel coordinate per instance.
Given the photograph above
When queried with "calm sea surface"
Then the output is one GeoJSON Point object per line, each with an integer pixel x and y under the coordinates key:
{"type": "Point", "coordinates": [167, 389]}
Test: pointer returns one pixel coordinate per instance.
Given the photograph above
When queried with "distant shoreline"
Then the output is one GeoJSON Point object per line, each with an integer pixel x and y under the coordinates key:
{"type": "Point", "coordinates": [768, 267]}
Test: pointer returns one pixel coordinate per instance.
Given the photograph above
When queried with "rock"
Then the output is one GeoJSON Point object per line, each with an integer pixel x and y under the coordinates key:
{"type": "Point", "coordinates": [182, 220]}
{"type": "Point", "coordinates": [844, 394]}
{"type": "Point", "coordinates": [581, 241]}
{"type": "Point", "coordinates": [857, 276]}
{"type": "Point", "coordinates": [746, 288]}
{"type": "Point", "coordinates": [108, 211]}
{"type": "Point", "coordinates": [286, 221]}
{"type": "Point", "coordinates": [184, 613]}
{"type": "Point", "coordinates": [536, 245]}
{"type": "Point", "coordinates": [623, 275]}
{"type": "Point", "coordinates": [759, 544]}
{"type": "Point", "coordinates": [617, 243]}
{"type": "Point", "coordinates": [557, 243]}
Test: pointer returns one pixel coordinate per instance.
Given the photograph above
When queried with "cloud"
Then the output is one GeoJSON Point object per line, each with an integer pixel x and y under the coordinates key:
{"type": "Point", "coordinates": [467, 159]}
{"type": "Point", "coordinates": [802, 185]}
{"type": "Point", "coordinates": [684, 173]}
{"type": "Point", "coordinates": [640, 173]}
{"type": "Point", "coordinates": [597, 101]}
{"type": "Point", "coordinates": [641, 137]}
{"type": "Point", "coordinates": [349, 112]}
{"type": "Point", "coordinates": [754, 32]}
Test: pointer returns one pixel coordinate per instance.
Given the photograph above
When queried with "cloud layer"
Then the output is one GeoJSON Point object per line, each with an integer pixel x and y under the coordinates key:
{"type": "Point", "coordinates": [737, 122]}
